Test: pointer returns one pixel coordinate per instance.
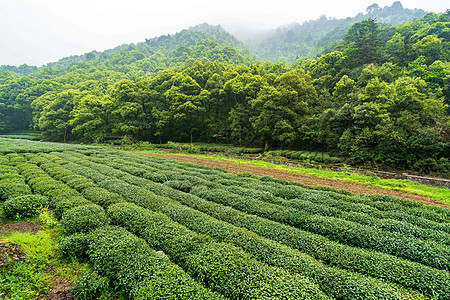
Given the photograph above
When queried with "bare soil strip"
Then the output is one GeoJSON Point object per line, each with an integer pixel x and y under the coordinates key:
{"type": "Point", "coordinates": [354, 187]}
{"type": "Point", "coordinates": [24, 226]}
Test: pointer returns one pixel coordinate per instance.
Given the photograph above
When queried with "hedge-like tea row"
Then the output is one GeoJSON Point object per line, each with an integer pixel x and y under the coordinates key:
{"type": "Point", "coordinates": [15, 159]}
{"type": "Point", "coordinates": [61, 197]}
{"type": "Point", "coordinates": [83, 218]}
{"type": "Point", "coordinates": [343, 231]}
{"type": "Point", "coordinates": [12, 184]}
{"type": "Point", "coordinates": [24, 146]}
{"type": "Point", "coordinates": [220, 266]}
{"type": "Point", "coordinates": [303, 155]}
{"type": "Point", "coordinates": [318, 204]}
{"type": "Point", "coordinates": [25, 206]}
{"type": "Point", "coordinates": [356, 204]}
{"type": "Point", "coordinates": [432, 282]}
{"type": "Point", "coordinates": [131, 265]}
{"type": "Point", "coordinates": [335, 282]}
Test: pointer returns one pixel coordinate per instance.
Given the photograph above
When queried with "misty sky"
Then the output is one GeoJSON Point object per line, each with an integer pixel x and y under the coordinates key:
{"type": "Point", "coordinates": [36, 32]}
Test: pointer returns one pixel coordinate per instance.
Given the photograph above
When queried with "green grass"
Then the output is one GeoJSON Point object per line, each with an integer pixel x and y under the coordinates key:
{"type": "Point", "coordinates": [441, 194]}
{"type": "Point", "coordinates": [28, 279]}
{"type": "Point", "coordinates": [31, 278]}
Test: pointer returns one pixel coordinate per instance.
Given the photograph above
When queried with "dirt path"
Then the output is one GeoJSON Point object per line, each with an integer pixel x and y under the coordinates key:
{"type": "Point", "coordinates": [24, 226]}
{"type": "Point", "coordinates": [354, 187]}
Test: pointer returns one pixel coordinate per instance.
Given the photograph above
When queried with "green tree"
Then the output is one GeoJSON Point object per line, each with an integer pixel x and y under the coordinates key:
{"type": "Point", "coordinates": [89, 117]}
{"type": "Point", "coordinates": [430, 47]}
{"type": "Point", "coordinates": [364, 37]}
{"type": "Point", "coordinates": [54, 120]}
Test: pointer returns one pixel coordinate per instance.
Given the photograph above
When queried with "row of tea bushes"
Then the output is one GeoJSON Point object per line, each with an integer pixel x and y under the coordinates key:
{"type": "Point", "coordinates": [27, 146]}
{"type": "Point", "coordinates": [220, 266]}
{"type": "Point", "coordinates": [304, 155]}
{"type": "Point", "coordinates": [133, 265]}
{"type": "Point", "coordinates": [292, 285]}
{"type": "Point", "coordinates": [342, 231]}
{"type": "Point", "coordinates": [335, 282]}
{"type": "Point", "coordinates": [323, 204]}
{"type": "Point", "coordinates": [433, 282]}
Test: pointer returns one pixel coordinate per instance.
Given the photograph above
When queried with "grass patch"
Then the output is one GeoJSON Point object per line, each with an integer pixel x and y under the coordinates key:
{"type": "Point", "coordinates": [42, 267]}
{"type": "Point", "coordinates": [31, 277]}
{"type": "Point", "coordinates": [441, 194]}
{"type": "Point", "coordinates": [27, 279]}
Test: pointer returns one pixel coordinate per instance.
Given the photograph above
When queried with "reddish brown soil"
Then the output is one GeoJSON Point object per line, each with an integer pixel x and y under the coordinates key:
{"type": "Point", "coordinates": [9, 253]}
{"type": "Point", "coordinates": [59, 290]}
{"type": "Point", "coordinates": [24, 226]}
{"type": "Point", "coordinates": [354, 187]}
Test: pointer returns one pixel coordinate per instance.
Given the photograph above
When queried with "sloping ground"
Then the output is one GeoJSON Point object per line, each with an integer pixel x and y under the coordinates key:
{"type": "Point", "coordinates": [353, 187]}
{"type": "Point", "coordinates": [196, 232]}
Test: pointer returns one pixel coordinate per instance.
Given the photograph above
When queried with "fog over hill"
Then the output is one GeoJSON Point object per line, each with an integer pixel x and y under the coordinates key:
{"type": "Point", "coordinates": [311, 38]}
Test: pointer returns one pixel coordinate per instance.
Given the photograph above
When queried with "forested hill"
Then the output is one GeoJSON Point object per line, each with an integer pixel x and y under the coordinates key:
{"type": "Point", "coordinates": [380, 97]}
{"type": "Point", "coordinates": [202, 42]}
{"type": "Point", "coordinates": [311, 38]}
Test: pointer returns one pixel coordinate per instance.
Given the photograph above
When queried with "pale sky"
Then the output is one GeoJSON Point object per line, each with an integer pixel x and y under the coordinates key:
{"type": "Point", "coordinates": [36, 32]}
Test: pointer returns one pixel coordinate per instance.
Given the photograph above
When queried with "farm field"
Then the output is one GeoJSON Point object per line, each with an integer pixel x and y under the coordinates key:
{"type": "Point", "coordinates": [22, 134]}
{"type": "Point", "coordinates": [354, 182]}
{"type": "Point", "coordinates": [154, 228]}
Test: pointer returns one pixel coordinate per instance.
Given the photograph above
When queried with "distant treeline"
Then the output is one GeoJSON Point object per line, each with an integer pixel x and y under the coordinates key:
{"type": "Point", "coordinates": [381, 96]}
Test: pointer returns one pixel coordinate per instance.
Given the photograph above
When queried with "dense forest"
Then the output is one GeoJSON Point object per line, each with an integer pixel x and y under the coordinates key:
{"type": "Point", "coordinates": [379, 95]}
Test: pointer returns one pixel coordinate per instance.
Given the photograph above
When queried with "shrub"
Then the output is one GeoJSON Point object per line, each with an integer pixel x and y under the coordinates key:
{"type": "Point", "coordinates": [101, 196]}
{"type": "Point", "coordinates": [83, 218]}
{"type": "Point", "coordinates": [8, 190]}
{"type": "Point", "coordinates": [89, 286]}
{"type": "Point", "coordinates": [62, 203]}
{"type": "Point", "coordinates": [139, 271]}
{"type": "Point", "coordinates": [74, 245]}
{"type": "Point", "coordinates": [23, 206]}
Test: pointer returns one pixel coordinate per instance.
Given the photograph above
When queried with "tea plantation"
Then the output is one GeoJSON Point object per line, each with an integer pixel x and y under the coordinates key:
{"type": "Point", "coordinates": [159, 229]}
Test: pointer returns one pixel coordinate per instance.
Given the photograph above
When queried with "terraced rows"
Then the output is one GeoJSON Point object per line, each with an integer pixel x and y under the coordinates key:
{"type": "Point", "coordinates": [163, 229]}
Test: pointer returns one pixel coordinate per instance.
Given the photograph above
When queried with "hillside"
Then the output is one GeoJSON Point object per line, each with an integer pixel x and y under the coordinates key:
{"type": "Point", "coordinates": [202, 42]}
{"type": "Point", "coordinates": [150, 228]}
{"type": "Point", "coordinates": [311, 38]}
